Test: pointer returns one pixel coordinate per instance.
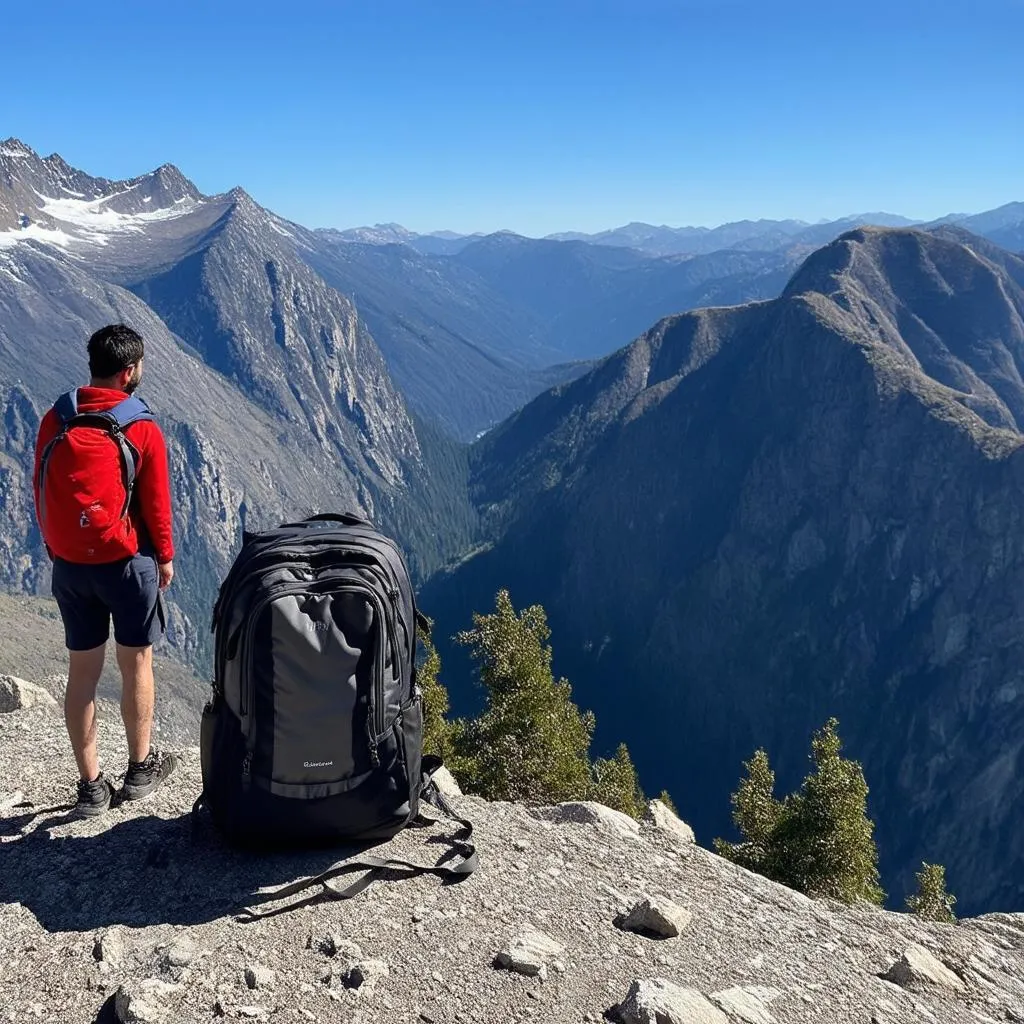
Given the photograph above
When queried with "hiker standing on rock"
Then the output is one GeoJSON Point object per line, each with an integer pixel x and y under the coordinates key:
{"type": "Point", "coordinates": [103, 504]}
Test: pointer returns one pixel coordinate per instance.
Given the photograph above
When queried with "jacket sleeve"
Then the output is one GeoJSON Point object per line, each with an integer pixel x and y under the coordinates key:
{"type": "Point", "coordinates": [153, 488]}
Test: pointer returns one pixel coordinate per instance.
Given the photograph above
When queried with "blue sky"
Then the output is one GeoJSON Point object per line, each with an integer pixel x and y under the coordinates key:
{"type": "Point", "coordinates": [535, 116]}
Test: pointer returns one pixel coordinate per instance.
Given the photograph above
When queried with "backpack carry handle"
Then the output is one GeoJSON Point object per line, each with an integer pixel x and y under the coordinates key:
{"type": "Point", "coordinates": [344, 518]}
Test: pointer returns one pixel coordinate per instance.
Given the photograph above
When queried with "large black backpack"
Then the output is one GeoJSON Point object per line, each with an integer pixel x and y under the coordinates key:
{"type": "Point", "coordinates": [314, 731]}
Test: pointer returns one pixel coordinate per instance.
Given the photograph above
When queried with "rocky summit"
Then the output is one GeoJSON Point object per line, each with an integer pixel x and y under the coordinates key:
{"type": "Point", "coordinates": [134, 917]}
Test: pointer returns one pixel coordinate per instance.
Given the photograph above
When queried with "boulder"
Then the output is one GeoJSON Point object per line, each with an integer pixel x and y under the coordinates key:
{"type": "Point", "coordinates": [656, 916]}
{"type": "Point", "coordinates": [529, 952]}
{"type": "Point", "coordinates": [747, 1003]}
{"type": "Point", "coordinates": [662, 817]}
{"type": "Point", "coordinates": [180, 953]}
{"type": "Point", "coordinates": [257, 976]}
{"type": "Point", "coordinates": [446, 782]}
{"type": "Point", "coordinates": [587, 812]}
{"type": "Point", "coordinates": [657, 1001]}
{"type": "Point", "coordinates": [143, 1002]}
{"type": "Point", "coordinates": [17, 694]}
{"type": "Point", "coordinates": [110, 947]}
{"type": "Point", "coordinates": [917, 968]}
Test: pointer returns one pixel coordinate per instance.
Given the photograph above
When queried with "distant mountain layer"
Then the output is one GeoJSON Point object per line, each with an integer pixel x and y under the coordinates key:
{"type": "Point", "coordinates": [1004, 225]}
{"type": "Point", "coordinates": [472, 337]}
{"type": "Point", "coordinates": [754, 518]}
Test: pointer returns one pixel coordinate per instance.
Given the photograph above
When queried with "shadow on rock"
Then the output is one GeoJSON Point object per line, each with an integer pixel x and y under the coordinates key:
{"type": "Point", "coordinates": [144, 871]}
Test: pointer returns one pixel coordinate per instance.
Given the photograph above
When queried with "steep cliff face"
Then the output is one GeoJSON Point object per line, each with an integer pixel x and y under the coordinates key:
{"type": "Point", "coordinates": [755, 518]}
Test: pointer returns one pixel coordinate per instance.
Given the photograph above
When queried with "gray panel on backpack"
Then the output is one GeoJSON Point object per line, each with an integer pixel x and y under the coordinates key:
{"type": "Point", "coordinates": [315, 685]}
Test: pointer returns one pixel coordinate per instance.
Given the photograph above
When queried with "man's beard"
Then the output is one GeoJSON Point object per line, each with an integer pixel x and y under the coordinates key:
{"type": "Point", "coordinates": [136, 380]}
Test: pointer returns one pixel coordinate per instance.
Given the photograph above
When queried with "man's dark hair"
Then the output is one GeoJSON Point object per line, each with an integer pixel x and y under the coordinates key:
{"type": "Point", "coordinates": [112, 349]}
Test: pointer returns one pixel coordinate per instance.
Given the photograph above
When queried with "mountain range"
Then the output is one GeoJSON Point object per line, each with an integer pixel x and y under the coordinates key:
{"type": "Point", "coordinates": [1003, 225]}
{"type": "Point", "coordinates": [797, 499]}
{"type": "Point", "coordinates": [274, 396]}
{"type": "Point", "coordinates": [754, 518]}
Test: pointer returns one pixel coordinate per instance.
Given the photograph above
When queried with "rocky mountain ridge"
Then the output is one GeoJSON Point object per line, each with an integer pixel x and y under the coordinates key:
{"type": "Point", "coordinates": [274, 397]}
{"type": "Point", "coordinates": [767, 515]}
{"type": "Point", "coordinates": [139, 910]}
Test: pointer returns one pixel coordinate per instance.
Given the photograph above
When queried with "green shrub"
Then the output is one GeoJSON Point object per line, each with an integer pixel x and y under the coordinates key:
{"type": "Point", "coordinates": [615, 784]}
{"type": "Point", "coordinates": [666, 798]}
{"type": "Point", "coordinates": [531, 742]}
{"type": "Point", "coordinates": [932, 901]}
{"type": "Point", "coordinates": [818, 840]}
{"type": "Point", "coordinates": [436, 728]}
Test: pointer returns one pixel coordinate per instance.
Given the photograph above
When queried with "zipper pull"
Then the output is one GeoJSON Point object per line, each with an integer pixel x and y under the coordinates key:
{"type": "Point", "coordinates": [374, 755]}
{"type": "Point", "coordinates": [246, 771]}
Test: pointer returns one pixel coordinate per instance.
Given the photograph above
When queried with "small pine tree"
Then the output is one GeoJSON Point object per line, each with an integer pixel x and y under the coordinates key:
{"type": "Point", "coordinates": [436, 739]}
{"type": "Point", "coordinates": [435, 699]}
{"type": "Point", "coordinates": [818, 840]}
{"type": "Point", "coordinates": [826, 839]}
{"type": "Point", "coordinates": [932, 901]}
{"type": "Point", "coordinates": [756, 814]}
{"type": "Point", "coordinates": [665, 797]}
{"type": "Point", "coordinates": [615, 784]}
{"type": "Point", "coordinates": [531, 742]}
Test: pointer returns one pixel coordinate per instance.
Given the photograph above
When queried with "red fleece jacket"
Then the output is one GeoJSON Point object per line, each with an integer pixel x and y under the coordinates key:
{"type": "Point", "coordinates": [152, 499]}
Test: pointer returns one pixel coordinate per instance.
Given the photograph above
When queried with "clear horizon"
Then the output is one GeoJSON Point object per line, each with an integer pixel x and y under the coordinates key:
{"type": "Point", "coordinates": [542, 117]}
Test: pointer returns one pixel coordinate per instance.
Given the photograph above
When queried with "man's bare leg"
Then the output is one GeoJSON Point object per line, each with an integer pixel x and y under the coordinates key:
{"type": "Point", "coordinates": [136, 664]}
{"type": "Point", "coordinates": [84, 671]}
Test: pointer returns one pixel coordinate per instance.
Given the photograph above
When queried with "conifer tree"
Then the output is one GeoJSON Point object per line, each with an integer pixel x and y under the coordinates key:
{"type": "Point", "coordinates": [818, 840]}
{"type": "Point", "coordinates": [666, 798]}
{"type": "Point", "coordinates": [616, 785]}
{"type": "Point", "coordinates": [932, 901]}
{"type": "Point", "coordinates": [756, 814]}
{"type": "Point", "coordinates": [436, 729]}
{"type": "Point", "coordinates": [531, 742]}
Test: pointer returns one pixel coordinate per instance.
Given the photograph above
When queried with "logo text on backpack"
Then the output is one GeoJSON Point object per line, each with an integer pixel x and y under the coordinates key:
{"type": "Point", "coordinates": [317, 764]}
{"type": "Point", "coordinates": [317, 627]}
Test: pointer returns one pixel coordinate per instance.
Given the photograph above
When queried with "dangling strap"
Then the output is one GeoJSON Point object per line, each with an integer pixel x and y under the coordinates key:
{"type": "Point", "coordinates": [460, 846]}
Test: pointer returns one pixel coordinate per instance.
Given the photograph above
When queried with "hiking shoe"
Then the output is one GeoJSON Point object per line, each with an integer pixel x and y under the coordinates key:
{"type": "Point", "coordinates": [145, 777]}
{"type": "Point", "coordinates": [94, 797]}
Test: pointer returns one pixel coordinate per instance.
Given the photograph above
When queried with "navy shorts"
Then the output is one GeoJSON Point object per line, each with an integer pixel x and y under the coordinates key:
{"type": "Point", "coordinates": [89, 596]}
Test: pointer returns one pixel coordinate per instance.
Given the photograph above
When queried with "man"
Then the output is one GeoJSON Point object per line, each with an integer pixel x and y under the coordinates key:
{"type": "Point", "coordinates": [103, 503]}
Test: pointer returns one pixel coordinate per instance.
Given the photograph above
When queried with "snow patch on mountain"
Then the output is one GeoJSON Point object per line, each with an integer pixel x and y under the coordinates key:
{"type": "Point", "coordinates": [89, 221]}
{"type": "Point", "coordinates": [35, 233]}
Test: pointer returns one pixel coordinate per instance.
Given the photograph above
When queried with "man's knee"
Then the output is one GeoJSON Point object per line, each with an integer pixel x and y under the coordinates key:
{"type": "Point", "coordinates": [136, 663]}
{"type": "Point", "coordinates": [85, 667]}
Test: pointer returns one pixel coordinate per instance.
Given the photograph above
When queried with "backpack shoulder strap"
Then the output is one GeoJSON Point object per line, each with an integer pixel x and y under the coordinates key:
{"type": "Point", "coordinates": [66, 407]}
{"type": "Point", "coordinates": [115, 420]}
{"type": "Point", "coordinates": [460, 845]}
{"type": "Point", "coordinates": [131, 410]}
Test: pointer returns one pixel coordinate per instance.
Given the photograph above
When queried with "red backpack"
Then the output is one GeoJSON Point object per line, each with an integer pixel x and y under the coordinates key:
{"type": "Point", "coordinates": [87, 476]}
